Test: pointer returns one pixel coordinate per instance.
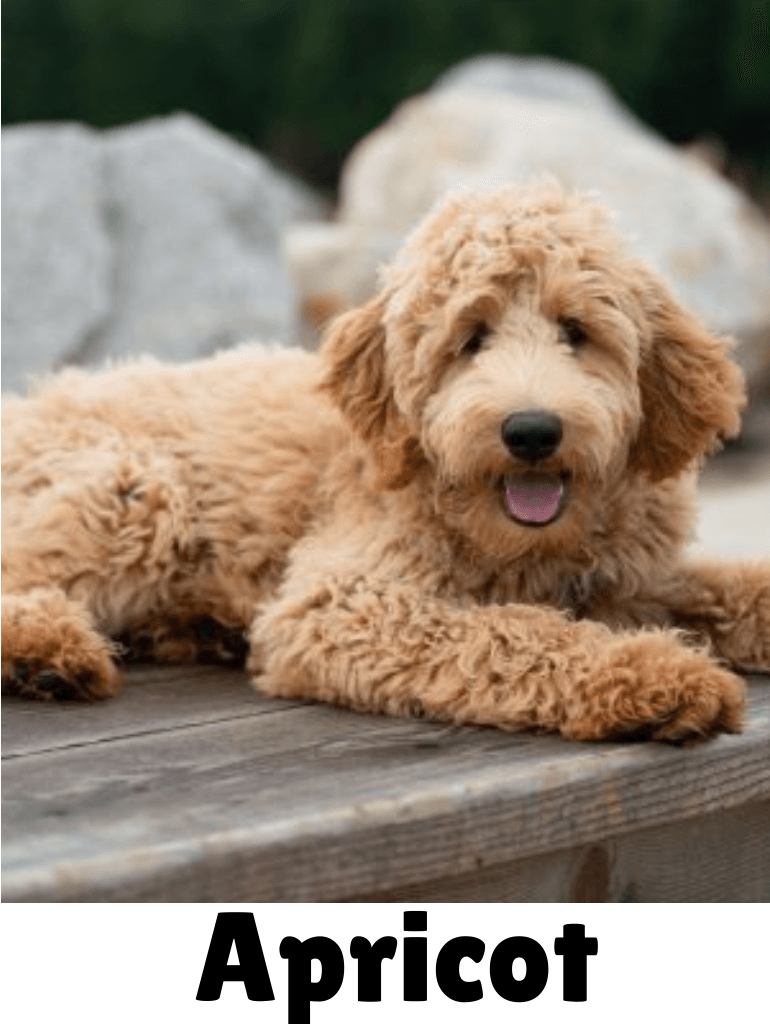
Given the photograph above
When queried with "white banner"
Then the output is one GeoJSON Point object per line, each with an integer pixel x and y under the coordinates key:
{"type": "Point", "coordinates": [325, 963]}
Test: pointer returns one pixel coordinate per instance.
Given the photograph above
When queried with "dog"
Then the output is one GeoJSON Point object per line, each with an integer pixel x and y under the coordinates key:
{"type": "Point", "coordinates": [471, 504]}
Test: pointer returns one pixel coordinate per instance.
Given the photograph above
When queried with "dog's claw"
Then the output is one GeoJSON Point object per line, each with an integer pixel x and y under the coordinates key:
{"type": "Point", "coordinates": [30, 681]}
{"type": "Point", "coordinates": [53, 683]}
{"type": "Point", "coordinates": [220, 644]}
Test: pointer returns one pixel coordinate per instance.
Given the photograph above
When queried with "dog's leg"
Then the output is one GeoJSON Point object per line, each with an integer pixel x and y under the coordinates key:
{"type": "Point", "coordinates": [51, 649]}
{"type": "Point", "coordinates": [84, 556]}
{"type": "Point", "coordinates": [728, 605]}
{"type": "Point", "coordinates": [388, 648]}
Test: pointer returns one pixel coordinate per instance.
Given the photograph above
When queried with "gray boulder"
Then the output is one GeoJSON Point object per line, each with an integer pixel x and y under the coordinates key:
{"type": "Point", "coordinates": [198, 223]}
{"type": "Point", "coordinates": [541, 78]}
{"type": "Point", "coordinates": [57, 256]}
{"type": "Point", "coordinates": [188, 260]}
{"type": "Point", "coordinates": [698, 229]}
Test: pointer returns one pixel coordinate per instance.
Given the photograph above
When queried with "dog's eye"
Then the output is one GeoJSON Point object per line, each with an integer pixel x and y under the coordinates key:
{"type": "Point", "coordinates": [475, 341]}
{"type": "Point", "coordinates": [572, 333]}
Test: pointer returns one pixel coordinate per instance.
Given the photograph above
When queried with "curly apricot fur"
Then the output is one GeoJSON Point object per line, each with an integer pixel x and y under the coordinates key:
{"type": "Point", "coordinates": [346, 511]}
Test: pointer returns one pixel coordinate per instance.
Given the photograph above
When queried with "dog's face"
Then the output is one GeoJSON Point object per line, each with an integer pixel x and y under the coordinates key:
{"type": "Point", "coordinates": [529, 365]}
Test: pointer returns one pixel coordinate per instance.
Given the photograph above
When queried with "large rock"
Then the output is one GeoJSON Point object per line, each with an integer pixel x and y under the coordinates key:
{"type": "Point", "coordinates": [542, 78]}
{"type": "Point", "coordinates": [198, 221]}
{"type": "Point", "coordinates": [58, 259]}
{"type": "Point", "coordinates": [698, 229]}
{"type": "Point", "coordinates": [163, 237]}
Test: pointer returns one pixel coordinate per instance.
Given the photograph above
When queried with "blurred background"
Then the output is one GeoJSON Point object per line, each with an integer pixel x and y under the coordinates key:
{"type": "Point", "coordinates": [303, 80]}
{"type": "Point", "coordinates": [182, 175]}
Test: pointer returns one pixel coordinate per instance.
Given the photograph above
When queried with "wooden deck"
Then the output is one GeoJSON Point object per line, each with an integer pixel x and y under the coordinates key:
{"type": "Point", "coordinates": [190, 787]}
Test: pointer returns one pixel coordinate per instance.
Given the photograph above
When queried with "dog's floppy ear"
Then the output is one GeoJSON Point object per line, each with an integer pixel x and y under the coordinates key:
{"type": "Point", "coordinates": [692, 394]}
{"type": "Point", "coordinates": [356, 379]}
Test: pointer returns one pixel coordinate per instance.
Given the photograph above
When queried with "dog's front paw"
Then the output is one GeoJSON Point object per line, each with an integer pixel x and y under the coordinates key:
{"type": "Point", "coordinates": [652, 687]}
{"type": "Point", "coordinates": [52, 652]}
{"type": "Point", "coordinates": [730, 604]}
{"type": "Point", "coordinates": [751, 630]}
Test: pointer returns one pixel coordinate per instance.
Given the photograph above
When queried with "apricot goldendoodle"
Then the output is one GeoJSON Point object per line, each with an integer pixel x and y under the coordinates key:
{"type": "Point", "coordinates": [471, 506]}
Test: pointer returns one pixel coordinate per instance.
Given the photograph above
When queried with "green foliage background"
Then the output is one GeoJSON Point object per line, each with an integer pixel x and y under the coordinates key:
{"type": "Point", "coordinates": [304, 79]}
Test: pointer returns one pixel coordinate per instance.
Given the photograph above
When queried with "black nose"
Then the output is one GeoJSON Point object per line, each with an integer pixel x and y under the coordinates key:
{"type": "Point", "coordinates": [533, 435]}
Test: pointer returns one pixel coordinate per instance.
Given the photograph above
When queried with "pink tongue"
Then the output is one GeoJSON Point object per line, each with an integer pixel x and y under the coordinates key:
{"type": "Point", "coordinates": [533, 499]}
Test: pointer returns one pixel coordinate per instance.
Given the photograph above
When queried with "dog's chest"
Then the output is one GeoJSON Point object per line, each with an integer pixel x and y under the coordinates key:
{"type": "Point", "coordinates": [539, 585]}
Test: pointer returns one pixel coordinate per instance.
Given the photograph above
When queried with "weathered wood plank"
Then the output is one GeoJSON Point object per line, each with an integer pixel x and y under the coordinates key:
{"type": "Point", "coordinates": [717, 858]}
{"type": "Point", "coordinates": [291, 802]}
{"type": "Point", "coordinates": [153, 700]}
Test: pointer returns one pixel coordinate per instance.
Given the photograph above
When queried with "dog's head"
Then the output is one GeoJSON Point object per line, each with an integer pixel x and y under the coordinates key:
{"type": "Point", "coordinates": [522, 358]}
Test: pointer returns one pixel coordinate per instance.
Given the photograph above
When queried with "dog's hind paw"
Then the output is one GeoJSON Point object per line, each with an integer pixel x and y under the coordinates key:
{"type": "Point", "coordinates": [27, 678]}
{"type": "Point", "coordinates": [51, 650]}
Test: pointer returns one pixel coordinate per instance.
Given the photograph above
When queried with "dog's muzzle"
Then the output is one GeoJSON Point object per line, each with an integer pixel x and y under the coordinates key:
{"type": "Point", "coordinates": [533, 498]}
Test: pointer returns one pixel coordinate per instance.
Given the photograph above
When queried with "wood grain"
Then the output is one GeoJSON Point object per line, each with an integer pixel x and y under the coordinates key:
{"type": "Point", "coordinates": [191, 787]}
{"type": "Point", "coordinates": [154, 700]}
{"type": "Point", "coordinates": [713, 858]}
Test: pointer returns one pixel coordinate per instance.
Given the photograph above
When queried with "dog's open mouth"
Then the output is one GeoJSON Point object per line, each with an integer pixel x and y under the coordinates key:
{"type": "Point", "coordinates": [535, 499]}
